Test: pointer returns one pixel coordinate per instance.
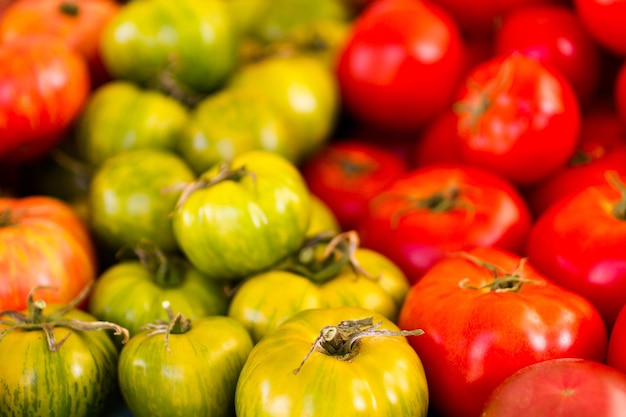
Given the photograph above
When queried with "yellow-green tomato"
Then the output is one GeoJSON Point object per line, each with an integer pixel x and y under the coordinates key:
{"type": "Point", "coordinates": [263, 301]}
{"type": "Point", "coordinates": [322, 218]}
{"type": "Point", "coordinates": [306, 368]}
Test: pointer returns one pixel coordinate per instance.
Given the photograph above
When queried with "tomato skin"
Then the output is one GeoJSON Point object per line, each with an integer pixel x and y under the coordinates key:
{"type": "Point", "coordinates": [43, 85]}
{"type": "Point", "coordinates": [474, 339]}
{"type": "Point", "coordinates": [385, 377]}
{"type": "Point", "coordinates": [604, 20]}
{"type": "Point", "coordinates": [580, 244]}
{"type": "Point", "coordinates": [104, 128]}
{"type": "Point", "coordinates": [196, 377]}
{"type": "Point", "coordinates": [619, 94]}
{"type": "Point", "coordinates": [537, 106]}
{"type": "Point", "coordinates": [565, 387]}
{"type": "Point", "coordinates": [229, 230]}
{"type": "Point", "coordinates": [33, 372]}
{"type": "Point", "coordinates": [401, 64]}
{"type": "Point", "coordinates": [323, 219]}
{"type": "Point", "coordinates": [403, 224]}
{"type": "Point", "coordinates": [617, 342]}
{"type": "Point", "coordinates": [43, 242]}
{"type": "Point", "coordinates": [348, 173]}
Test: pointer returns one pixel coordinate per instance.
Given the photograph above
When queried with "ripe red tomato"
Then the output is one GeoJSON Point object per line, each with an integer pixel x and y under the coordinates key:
{"type": "Point", "coordinates": [580, 243]}
{"type": "Point", "coordinates": [564, 387]}
{"type": "Point", "coordinates": [617, 342]}
{"type": "Point", "coordinates": [486, 314]}
{"type": "Point", "coordinates": [400, 64]}
{"type": "Point", "coordinates": [43, 242]}
{"type": "Point", "coordinates": [347, 174]}
{"type": "Point", "coordinates": [517, 117]}
{"type": "Point", "coordinates": [554, 35]}
{"type": "Point", "coordinates": [604, 20]}
{"type": "Point", "coordinates": [619, 94]}
{"type": "Point", "coordinates": [440, 208]}
{"type": "Point", "coordinates": [43, 87]}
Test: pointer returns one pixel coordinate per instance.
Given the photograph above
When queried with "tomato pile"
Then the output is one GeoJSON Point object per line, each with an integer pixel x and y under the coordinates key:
{"type": "Point", "coordinates": [323, 208]}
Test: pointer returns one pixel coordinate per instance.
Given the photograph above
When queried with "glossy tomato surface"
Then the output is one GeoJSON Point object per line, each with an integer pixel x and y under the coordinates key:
{"type": "Point", "coordinates": [604, 20]}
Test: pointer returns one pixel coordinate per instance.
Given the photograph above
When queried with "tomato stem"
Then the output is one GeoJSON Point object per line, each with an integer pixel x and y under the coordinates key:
{"type": "Point", "coordinates": [619, 209]}
{"type": "Point", "coordinates": [69, 8]}
{"type": "Point", "coordinates": [177, 324]}
{"type": "Point", "coordinates": [502, 281]}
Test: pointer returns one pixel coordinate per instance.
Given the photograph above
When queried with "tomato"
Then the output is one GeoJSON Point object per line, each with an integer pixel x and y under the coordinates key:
{"type": "Point", "coordinates": [243, 216]}
{"type": "Point", "coordinates": [185, 48]}
{"type": "Point", "coordinates": [617, 342]}
{"type": "Point", "coordinates": [233, 121]}
{"type": "Point", "coordinates": [517, 117]}
{"type": "Point", "coordinates": [133, 195]}
{"type": "Point", "coordinates": [349, 276]}
{"type": "Point", "coordinates": [104, 128]}
{"type": "Point", "coordinates": [78, 23]}
{"type": "Point", "coordinates": [43, 87]}
{"type": "Point", "coordinates": [487, 313]}
{"type": "Point", "coordinates": [579, 242]}
{"type": "Point", "coordinates": [604, 20]}
{"type": "Point", "coordinates": [131, 291]}
{"type": "Point", "coordinates": [437, 142]}
{"type": "Point", "coordinates": [440, 208]}
{"type": "Point", "coordinates": [565, 387]}
{"type": "Point", "coordinates": [303, 89]}
{"type": "Point", "coordinates": [322, 218]}
{"type": "Point", "coordinates": [58, 361]}
{"type": "Point", "coordinates": [346, 174]}
{"type": "Point", "coordinates": [401, 64]}
{"type": "Point", "coordinates": [619, 94]}
{"type": "Point", "coordinates": [554, 35]}
{"type": "Point", "coordinates": [183, 366]}
{"type": "Point", "coordinates": [43, 242]}
{"type": "Point", "coordinates": [333, 362]}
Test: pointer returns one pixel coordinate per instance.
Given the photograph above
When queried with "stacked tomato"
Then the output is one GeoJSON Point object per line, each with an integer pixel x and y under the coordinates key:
{"type": "Point", "coordinates": [338, 207]}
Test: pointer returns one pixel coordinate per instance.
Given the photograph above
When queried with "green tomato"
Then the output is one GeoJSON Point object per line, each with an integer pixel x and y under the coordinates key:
{"type": "Point", "coordinates": [244, 216]}
{"type": "Point", "coordinates": [231, 122]}
{"type": "Point", "coordinates": [105, 127]}
{"type": "Point", "coordinates": [305, 91]}
{"type": "Point", "coordinates": [189, 370]}
{"type": "Point", "coordinates": [322, 218]}
{"type": "Point", "coordinates": [133, 195]}
{"type": "Point", "coordinates": [181, 46]}
{"type": "Point", "coordinates": [335, 362]}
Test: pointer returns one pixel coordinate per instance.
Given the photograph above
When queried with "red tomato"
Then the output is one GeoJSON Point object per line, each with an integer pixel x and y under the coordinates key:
{"type": "Point", "coordinates": [440, 208]}
{"type": "Point", "coordinates": [486, 314]}
{"type": "Point", "coordinates": [564, 387]}
{"type": "Point", "coordinates": [43, 87]}
{"type": "Point", "coordinates": [347, 174]}
{"type": "Point", "coordinates": [580, 243]}
{"type": "Point", "coordinates": [517, 117]}
{"type": "Point", "coordinates": [554, 35]}
{"type": "Point", "coordinates": [43, 242]}
{"type": "Point", "coordinates": [604, 20]}
{"type": "Point", "coordinates": [615, 356]}
{"type": "Point", "coordinates": [619, 94]}
{"type": "Point", "coordinates": [437, 142]}
{"type": "Point", "coordinates": [400, 64]}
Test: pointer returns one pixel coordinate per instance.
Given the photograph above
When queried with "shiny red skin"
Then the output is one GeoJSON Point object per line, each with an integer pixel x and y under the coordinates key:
{"type": "Point", "coordinates": [400, 64]}
{"type": "Point", "coordinates": [554, 35]}
{"type": "Point", "coordinates": [566, 387]}
{"type": "Point", "coordinates": [580, 244]}
{"type": "Point", "coordinates": [347, 174]}
{"type": "Point", "coordinates": [604, 20]}
{"type": "Point", "coordinates": [518, 118]}
{"type": "Point", "coordinates": [474, 339]}
{"type": "Point", "coordinates": [489, 212]}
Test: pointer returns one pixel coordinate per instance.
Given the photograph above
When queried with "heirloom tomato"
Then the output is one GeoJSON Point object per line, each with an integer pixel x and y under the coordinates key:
{"type": "Point", "coordinates": [580, 243]}
{"type": "Point", "coordinates": [130, 292]}
{"type": "Point", "coordinates": [132, 196]}
{"type": "Point", "coordinates": [57, 361]}
{"type": "Point", "coordinates": [330, 270]}
{"type": "Point", "coordinates": [43, 87]}
{"type": "Point", "coordinates": [243, 216]}
{"type": "Point", "coordinates": [604, 20]}
{"type": "Point", "coordinates": [231, 122]}
{"type": "Point", "coordinates": [346, 174]}
{"type": "Point", "coordinates": [303, 89]}
{"type": "Point", "coordinates": [487, 313]}
{"type": "Point", "coordinates": [183, 367]}
{"type": "Point", "coordinates": [78, 22]}
{"type": "Point", "coordinates": [184, 47]}
{"type": "Point", "coordinates": [43, 242]}
{"type": "Point", "coordinates": [564, 387]}
{"type": "Point", "coordinates": [400, 64]}
{"type": "Point", "coordinates": [439, 208]}
{"type": "Point", "coordinates": [517, 117]}
{"type": "Point", "coordinates": [346, 361]}
{"type": "Point", "coordinates": [104, 128]}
